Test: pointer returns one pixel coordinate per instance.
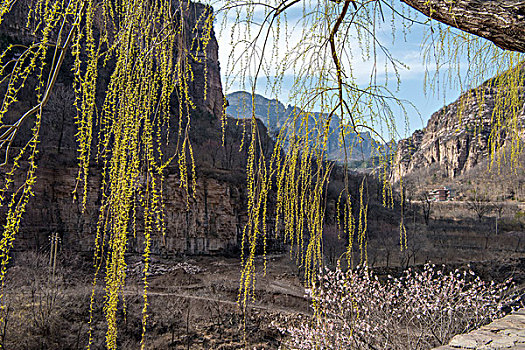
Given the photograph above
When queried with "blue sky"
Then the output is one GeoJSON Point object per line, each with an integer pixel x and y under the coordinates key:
{"type": "Point", "coordinates": [406, 49]}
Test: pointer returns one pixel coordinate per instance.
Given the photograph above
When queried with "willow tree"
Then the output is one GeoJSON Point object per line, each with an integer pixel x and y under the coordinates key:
{"type": "Point", "coordinates": [322, 48]}
{"type": "Point", "coordinates": [144, 46]}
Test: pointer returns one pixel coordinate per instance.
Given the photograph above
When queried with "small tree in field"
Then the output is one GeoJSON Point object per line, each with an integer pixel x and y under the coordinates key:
{"type": "Point", "coordinates": [480, 205]}
{"type": "Point", "coordinates": [426, 206]}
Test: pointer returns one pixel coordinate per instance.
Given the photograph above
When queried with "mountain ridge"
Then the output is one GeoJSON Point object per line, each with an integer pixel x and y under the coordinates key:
{"type": "Point", "coordinates": [274, 115]}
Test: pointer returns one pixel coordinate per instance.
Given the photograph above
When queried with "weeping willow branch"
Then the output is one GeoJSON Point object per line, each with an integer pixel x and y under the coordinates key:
{"type": "Point", "coordinates": [149, 49]}
{"type": "Point", "coordinates": [7, 137]}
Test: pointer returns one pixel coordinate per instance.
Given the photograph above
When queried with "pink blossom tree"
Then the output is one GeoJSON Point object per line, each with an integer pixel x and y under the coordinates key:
{"type": "Point", "coordinates": [420, 310]}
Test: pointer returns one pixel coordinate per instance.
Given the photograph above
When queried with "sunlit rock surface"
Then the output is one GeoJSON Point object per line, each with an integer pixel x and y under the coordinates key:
{"type": "Point", "coordinates": [505, 333]}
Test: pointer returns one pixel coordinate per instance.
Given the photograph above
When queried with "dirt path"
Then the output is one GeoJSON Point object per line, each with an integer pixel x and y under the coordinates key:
{"type": "Point", "coordinates": [271, 308]}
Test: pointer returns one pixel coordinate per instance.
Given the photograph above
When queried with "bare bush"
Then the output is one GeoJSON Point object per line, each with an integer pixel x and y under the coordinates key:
{"type": "Point", "coordinates": [480, 205]}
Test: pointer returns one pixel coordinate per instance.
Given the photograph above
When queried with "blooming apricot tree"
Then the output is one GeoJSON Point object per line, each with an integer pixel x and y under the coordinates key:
{"type": "Point", "coordinates": [420, 310]}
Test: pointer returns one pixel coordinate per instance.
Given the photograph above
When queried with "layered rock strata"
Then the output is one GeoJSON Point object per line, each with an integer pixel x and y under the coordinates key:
{"type": "Point", "coordinates": [456, 137]}
{"type": "Point", "coordinates": [208, 223]}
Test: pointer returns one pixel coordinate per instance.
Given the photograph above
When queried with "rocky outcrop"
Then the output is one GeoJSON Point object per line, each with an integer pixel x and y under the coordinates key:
{"type": "Point", "coordinates": [207, 64]}
{"type": "Point", "coordinates": [211, 221]}
{"type": "Point", "coordinates": [455, 139]}
{"type": "Point", "coordinates": [505, 333]}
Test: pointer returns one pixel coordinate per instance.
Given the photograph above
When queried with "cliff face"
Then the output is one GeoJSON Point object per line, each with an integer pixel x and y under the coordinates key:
{"type": "Point", "coordinates": [215, 216]}
{"type": "Point", "coordinates": [454, 141]}
{"type": "Point", "coordinates": [212, 83]}
{"type": "Point", "coordinates": [211, 225]}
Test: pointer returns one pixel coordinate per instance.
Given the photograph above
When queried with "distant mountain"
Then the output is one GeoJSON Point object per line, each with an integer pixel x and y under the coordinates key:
{"type": "Point", "coordinates": [274, 115]}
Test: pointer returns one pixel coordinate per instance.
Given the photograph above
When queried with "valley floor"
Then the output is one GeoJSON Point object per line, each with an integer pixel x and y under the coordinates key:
{"type": "Point", "coordinates": [192, 300]}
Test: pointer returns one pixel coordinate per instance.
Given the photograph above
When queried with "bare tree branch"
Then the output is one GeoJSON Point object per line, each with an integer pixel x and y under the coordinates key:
{"type": "Point", "coordinates": [500, 21]}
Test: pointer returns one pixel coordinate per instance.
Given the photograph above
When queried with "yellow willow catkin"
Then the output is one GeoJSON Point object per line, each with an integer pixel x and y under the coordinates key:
{"type": "Point", "coordinates": [129, 137]}
{"type": "Point", "coordinates": [359, 109]}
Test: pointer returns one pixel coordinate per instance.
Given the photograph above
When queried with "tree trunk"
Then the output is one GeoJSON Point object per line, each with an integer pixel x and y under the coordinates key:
{"type": "Point", "coordinates": [500, 21]}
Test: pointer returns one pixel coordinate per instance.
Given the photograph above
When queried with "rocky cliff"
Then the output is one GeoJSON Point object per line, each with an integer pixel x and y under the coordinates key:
{"type": "Point", "coordinates": [212, 83]}
{"type": "Point", "coordinates": [211, 225]}
{"type": "Point", "coordinates": [456, 138]}
{"type": "Point", "coordinates": [215, 215]}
